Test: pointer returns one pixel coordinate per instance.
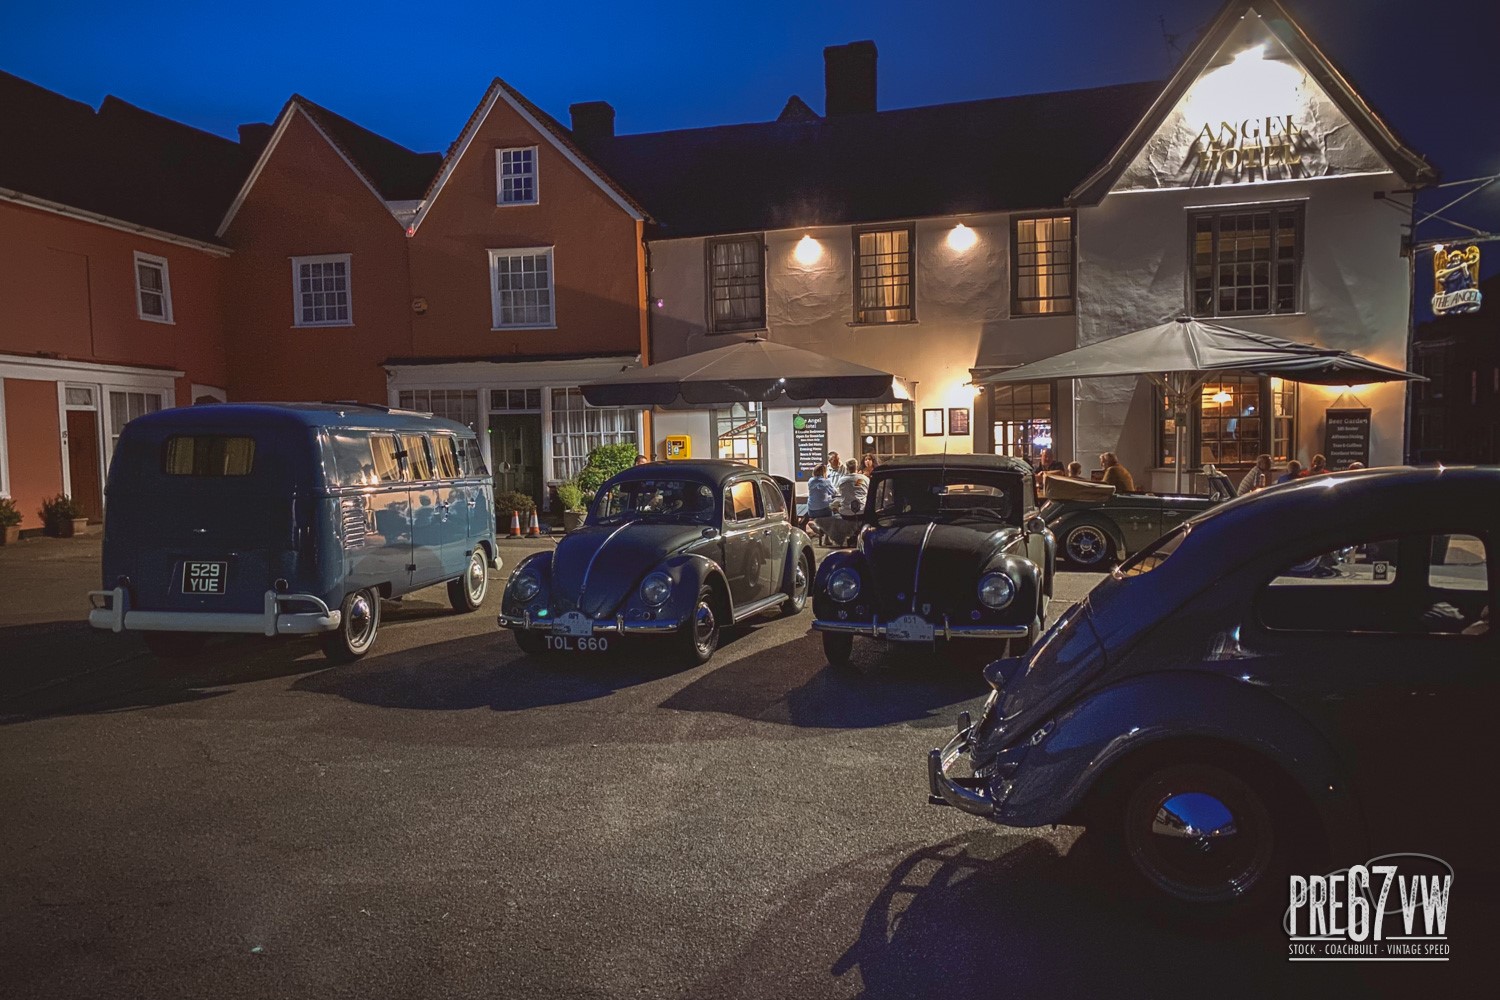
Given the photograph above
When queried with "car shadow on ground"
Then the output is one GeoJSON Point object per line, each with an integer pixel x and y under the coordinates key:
{"type": "Point", "coordinates": [793, 684]}
{"type": "Point", "coordinates": [993, 912]}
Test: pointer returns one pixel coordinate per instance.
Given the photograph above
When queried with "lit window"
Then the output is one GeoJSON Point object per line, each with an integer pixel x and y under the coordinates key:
{"type": "Point", "coordinates": [321, 291]}
{"type": "Point", "coordinates": [1022, 416]}
{"type": "Point", "coordinates": [740, 433]}
{"type": "Point", "coordinates": [884, 276]}
{"type": "Point", "coordinates": [736, 284]}
{"type": "Point", "coordinates": [885, 430]}
{"type": "Point", "coordinates": [1229, 424]}
{"type": "Point", "coordinates": [153, 289]}
{"type": "Point", "coordinates": [521, 288]}
{"type": "Point", "coordinates": [515, 176]}
{"type": "Point", "coordinates": [1246, 263]}
{"type": "Point", "coordinates": [1041, 266]}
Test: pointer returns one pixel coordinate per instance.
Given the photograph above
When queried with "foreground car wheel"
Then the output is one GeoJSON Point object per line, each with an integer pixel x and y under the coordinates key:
{"type": "Point", "coordinates": [794, 604]}
{"type": "Point", "coordinates": [700, 634]}
{"type": "Point", "coordinates": [358, 623]}
{"type": "Point", "coordinates": [1199, 833]}
{"type": "Point", "coordinates": [1088, 545]}
{"type": "Point", "coordinates": [467, 592]}
{"type": "Point", "coordinates": [838, 647]}
{"type": "Point", "coordinates": [533, 644]}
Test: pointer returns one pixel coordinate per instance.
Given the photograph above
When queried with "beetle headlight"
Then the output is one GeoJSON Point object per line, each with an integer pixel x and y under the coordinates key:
{"type": "Point", "coordinates": [655, 589]}
{"type": "Point", "coordinates": [843, 585]}
{"type": "Point", "coordinates": [525, 585]}
{"type": "Point", "coordinates": [996, 590]}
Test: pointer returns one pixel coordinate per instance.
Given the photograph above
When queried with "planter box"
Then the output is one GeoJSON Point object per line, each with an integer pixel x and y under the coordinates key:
{"type": "Point", "coordinates": [9, 536]}
{"type": "Point", "coordinates": [573, 519]}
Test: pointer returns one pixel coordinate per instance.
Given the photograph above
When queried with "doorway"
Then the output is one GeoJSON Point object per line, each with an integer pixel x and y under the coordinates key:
{"type": "Point", "coordinates": [82, 436]}
{"type": "Point", "coordinates": [516, 453]}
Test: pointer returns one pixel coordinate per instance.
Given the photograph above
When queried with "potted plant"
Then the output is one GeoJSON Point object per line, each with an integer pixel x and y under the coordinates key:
{"type": "Point", "coordinates": [10, 521]}
{"type": "Point", "coordinates": [62, 517]}
{"type": "Point", "coordinates": [570, 495]}
{"type": "Point", "coordinates": [513, 501]}
{"type": "Point", "coordinates": [603, 462]}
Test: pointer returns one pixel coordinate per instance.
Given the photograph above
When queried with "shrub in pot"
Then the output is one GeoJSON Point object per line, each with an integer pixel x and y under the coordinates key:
{"type": "Point", "coordinates": [603, 462]}
{"type": "Point", "coordinates": [513, 501]}
{"type": "Point", "coordinates": [10, 521]}
{"type": "Point", "coordinates": [61, 516]}
{"type": "Point", "coordinates": [570, 496]}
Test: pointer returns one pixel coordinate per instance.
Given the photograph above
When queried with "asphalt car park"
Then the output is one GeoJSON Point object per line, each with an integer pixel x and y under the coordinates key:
{"type": "Point", "coordinates": [448, 817]}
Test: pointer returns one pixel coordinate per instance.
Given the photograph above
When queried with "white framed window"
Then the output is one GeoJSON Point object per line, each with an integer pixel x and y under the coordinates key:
{"type": "Point", "coordinates": [153, 288]}
{"type": "Point", "coordinates": [515, 176]}
{"type": "Point", "coordinates": [320, 291]}
{"type": "Point", "coordinates": [578, 428]}
{"type": "Point", "coordinates": [521, 288]}
{"type": "Point", "coordinates": [124, 406]}
{"type": "Point", "coordinates": [4, 447]}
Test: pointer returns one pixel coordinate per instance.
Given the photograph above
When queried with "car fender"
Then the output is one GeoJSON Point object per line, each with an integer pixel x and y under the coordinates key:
{"type": "Point", "coordinates": [1070, 754]}
{"type": "Point", "coordinates": [1093, 515]}
{"type": "Point", "coordinates": [688, 571]}
{"type": "Point", "coordinates": [542, 563]}
{"type": "Point", "coordinates": [1027, 576]}
{"type": "Point", "coordinates": [798, 544]}
{"type": "Point", "coordinates": [825, 606]}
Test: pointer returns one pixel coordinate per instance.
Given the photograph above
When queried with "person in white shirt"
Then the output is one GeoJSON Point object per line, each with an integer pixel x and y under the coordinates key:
{"type": "Point", "coordinates": [854, 489]}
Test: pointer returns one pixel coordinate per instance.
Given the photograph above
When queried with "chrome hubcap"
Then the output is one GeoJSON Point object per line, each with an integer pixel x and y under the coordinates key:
{"type": "Point", "coordinates": [361, 621]}
{"type": "Point", "coordinates": [704, 628]}
{"type": "Point", "coordinates": [799, 585]}
{"type": "Point", "coordinates": [1199, 846]}
{"type": "Point", "coordinates": [478, 578]}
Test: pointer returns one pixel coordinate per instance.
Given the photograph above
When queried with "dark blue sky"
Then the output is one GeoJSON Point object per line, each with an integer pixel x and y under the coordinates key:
{"type": "Point", "coordinates": [414, 71]}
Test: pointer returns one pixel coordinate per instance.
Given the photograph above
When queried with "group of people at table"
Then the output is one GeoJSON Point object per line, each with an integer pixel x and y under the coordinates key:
{"type": "Point", "coordinates": [1261, 474]}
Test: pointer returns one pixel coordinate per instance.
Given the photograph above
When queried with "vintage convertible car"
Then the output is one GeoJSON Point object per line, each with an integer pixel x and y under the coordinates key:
{"type": "Point", "coordinates": [950, 549]}
{"type": "Point", "coordinates": [1295, 681]}
{"type": "Point", "coordinates": [676, 551]}
{"type": "Point", "coordinates": [1095, 526]}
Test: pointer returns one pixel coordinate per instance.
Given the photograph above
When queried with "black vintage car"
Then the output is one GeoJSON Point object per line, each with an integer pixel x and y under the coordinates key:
{"type": "Point", "coordinates": [1094, 531]}
{"type": "Point", "coordinates": [675, 551]}
{"type": "Point", "coordinates": [951, 548]}
{"type": "Point", "coordinates": [1296, 681]}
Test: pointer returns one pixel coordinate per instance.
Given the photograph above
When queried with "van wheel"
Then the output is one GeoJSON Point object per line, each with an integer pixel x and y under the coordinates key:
{"type": "Point", "coordinates": [359, 620]}
{"type": "Point", "coordinates": [172, 646]}
{"type": "Point", "coordinates": [467, 592]}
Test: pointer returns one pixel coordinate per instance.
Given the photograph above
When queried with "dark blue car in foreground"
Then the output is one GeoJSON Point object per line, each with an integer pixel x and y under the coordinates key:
{"type": "Point", "coordinates": [1295, 681]}
{"type": "Point", "coordinates": [289, 519]}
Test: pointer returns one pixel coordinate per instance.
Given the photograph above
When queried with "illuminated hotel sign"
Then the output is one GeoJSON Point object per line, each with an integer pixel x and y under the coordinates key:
{"type": "Point", "coordinates": [1455, 281]}
{"type": "Point", "coordinates": [1253, 149]}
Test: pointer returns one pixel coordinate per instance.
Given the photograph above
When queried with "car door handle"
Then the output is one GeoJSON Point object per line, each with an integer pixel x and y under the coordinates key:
{"type": "Point", "coordinates": [473, 503]}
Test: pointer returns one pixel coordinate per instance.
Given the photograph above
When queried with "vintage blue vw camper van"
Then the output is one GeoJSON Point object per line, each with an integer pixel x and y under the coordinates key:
{"type": "Point", "coordinates": [289, 519]}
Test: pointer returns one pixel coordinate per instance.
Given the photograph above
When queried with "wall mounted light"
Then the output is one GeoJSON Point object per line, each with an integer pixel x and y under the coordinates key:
{"type": "Point", "coordinates": [961, 238]}
{"type": "Point", "coordinates": [808, 251]}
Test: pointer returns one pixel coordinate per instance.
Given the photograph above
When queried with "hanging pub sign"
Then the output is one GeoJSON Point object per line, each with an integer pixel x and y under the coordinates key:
{"type": "Point", "coordinates": [1455, 281]}
{"type": "Point", "coordinates": [809, 442]}
{"type": "Point", "coordinates": [1346, 437]}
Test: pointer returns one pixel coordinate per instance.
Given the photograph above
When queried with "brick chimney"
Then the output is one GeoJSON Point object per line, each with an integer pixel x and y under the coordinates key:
{"type": "Point", "coordinates": [849, 78]}
{"type": "Point", "coordinates": [592, 120]}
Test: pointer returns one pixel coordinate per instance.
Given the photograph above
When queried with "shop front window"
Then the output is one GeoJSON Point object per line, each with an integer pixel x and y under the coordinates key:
{"type": "Point", "coordinates": [461, 405]}
{"type": "Point", "coordinates": [885, 430]}
{"type": "Point", "coordinates": [740, 433]}
{"type": "Point", "coordinates": [1022, 415]}
{"type": "Point", "coordinates": [578, 428]}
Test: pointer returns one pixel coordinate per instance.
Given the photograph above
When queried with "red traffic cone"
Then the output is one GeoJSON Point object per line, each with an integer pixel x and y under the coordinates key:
{"type": "Point", "coordinates": [515, 524]}
{"type": "Point", "coordinates": [535, 528]}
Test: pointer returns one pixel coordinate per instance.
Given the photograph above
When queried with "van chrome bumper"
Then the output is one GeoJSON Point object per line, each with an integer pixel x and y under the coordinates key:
{"type": "Point", "coordinates": [876, 629]}
{"type": "Point", "coordinates": [117, 616]}
{"type": "Point", "coordinates": [617, 625]}
{"type": "Point", "coordinates": [969, 794]}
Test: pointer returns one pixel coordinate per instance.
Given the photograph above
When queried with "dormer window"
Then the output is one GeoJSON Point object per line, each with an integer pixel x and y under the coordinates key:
{"type": "Point", "coordinates": [515, 176]}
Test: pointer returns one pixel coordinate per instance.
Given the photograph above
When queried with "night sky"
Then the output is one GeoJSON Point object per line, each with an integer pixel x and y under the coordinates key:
{"type": "Point", "coordinates": [413, 71]}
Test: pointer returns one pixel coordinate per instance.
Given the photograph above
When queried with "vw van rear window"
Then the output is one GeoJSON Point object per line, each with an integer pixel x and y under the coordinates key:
{"type": "Point", "coordinates": [445, 455]}
{"type": "Point", "coordinates": [208, 455]}
{"type": "Point", "coordinates": [418, 462]}
{"type": "Point", "coordinates": [473, 459]}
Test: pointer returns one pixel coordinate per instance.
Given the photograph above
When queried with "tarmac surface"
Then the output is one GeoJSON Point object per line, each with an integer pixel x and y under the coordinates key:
{"type": "Point", "coordinates": [448, 818]}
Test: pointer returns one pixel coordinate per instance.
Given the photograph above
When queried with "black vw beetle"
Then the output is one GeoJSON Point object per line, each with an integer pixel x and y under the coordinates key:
{"type": "Point", "coordinates": [951, 549]}
{"type": "Point", "coordinates": [1295, 681]}
{"type": "Point", "coordinates": [675, 551]}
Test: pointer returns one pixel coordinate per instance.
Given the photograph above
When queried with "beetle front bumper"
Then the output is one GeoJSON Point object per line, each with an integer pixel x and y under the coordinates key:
{"type": "Point", "coordinates": [117, 616]}
{"type": "Point", "coordinates": [972, 795]}
{"type": "Point", "coordinates": [618, 625]}
{"type": "Point", "coordinates": [877, 629]}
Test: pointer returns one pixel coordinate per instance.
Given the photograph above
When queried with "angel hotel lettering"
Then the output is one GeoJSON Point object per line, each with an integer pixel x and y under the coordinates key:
{"type": "Point", "coordinates": [1253, 149]}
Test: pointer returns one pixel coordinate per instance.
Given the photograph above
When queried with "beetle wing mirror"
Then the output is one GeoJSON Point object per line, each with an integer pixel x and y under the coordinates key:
{"type": "Point", "coordinates": [710, 532]}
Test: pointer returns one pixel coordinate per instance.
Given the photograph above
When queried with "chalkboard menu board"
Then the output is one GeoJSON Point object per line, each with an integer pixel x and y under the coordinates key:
{"type": "Point", "coordinates": [809, 442]}
{"type": "Point", "coordinates": [1346, 437]}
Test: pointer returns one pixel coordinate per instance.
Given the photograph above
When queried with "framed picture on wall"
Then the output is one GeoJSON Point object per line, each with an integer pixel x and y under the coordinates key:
{"type": "Point", "coordinates": [958, 420]}
{"type": "Point", "coordinates": [932, 423]}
